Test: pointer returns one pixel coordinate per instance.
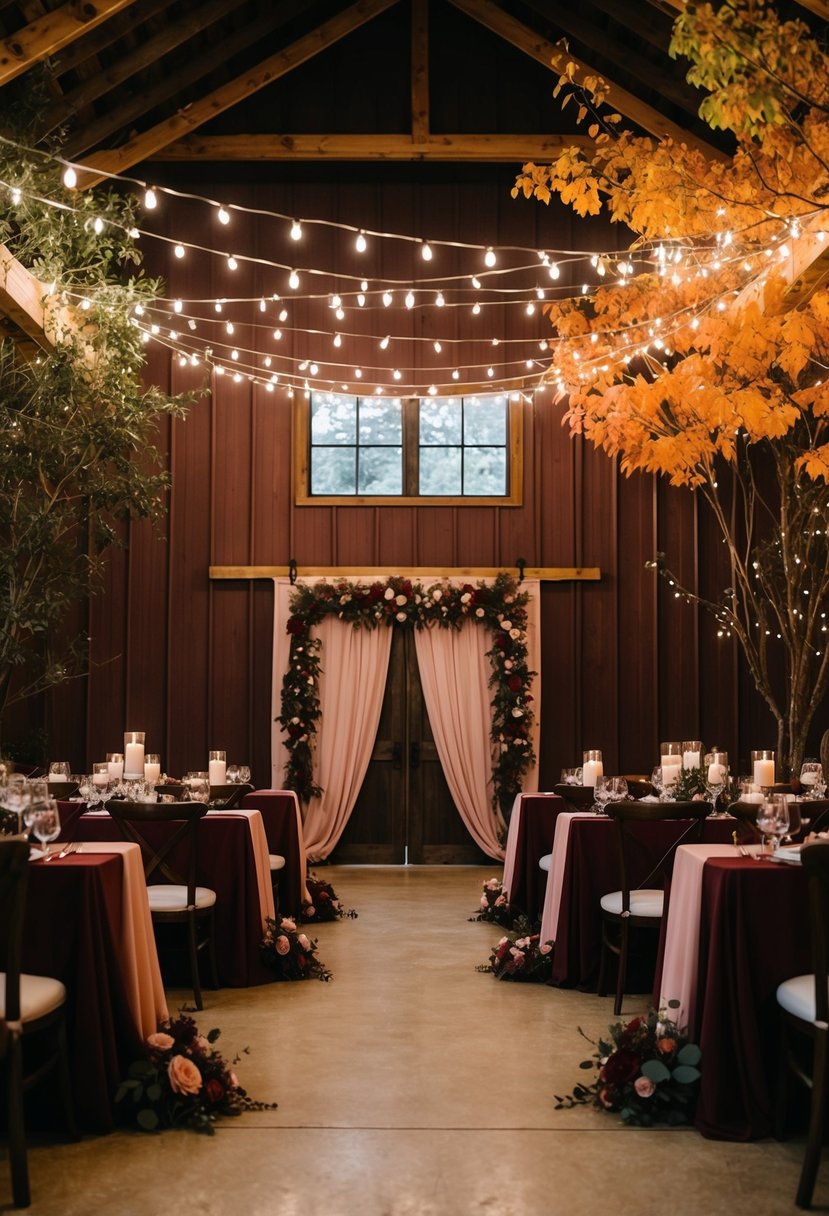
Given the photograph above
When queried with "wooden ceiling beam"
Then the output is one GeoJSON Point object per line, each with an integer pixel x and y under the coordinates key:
{"type": "Point", "coordinates": [420, 69]}
{"type": "Point", "coordinates": [555, 57]}
{"type": "Point", "coordinates": [515, 149]}
{"type": "Point", "coordinates": [99, 39]}
{"type": "Point", "coordinates": [639, 20]}
{"type": "Point", "coordinates": [117, 117]}
{"type": "Point", "coordinates": [228, 95]}
{"type": "Point", "coordinates": [146, 53]}
{"type": "Point", "coordinates": [27, 306]}
{"type": "Point", "coordinates": [49, 33]}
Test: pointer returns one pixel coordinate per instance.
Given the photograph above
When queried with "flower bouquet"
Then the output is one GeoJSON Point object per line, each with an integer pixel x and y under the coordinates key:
{"type": "Point", "coordinates": [182, 1081]}
{"type": "Point", "coordinates": [290, 954]}
{"type": "Point", "coordinates": [324, 904]}
{"type": "Point", "coordinates": [494, 904]}
{"type": "Point", "coordinates": [523, 958]}
{"type": "Point", "coordinates": [648, 1072]}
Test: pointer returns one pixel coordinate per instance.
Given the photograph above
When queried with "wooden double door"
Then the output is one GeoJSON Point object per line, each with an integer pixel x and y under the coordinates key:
{"type": "Point", "coordinates": [404, 812]}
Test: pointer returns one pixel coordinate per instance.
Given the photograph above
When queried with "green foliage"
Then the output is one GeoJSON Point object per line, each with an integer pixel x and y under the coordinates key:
{"type": "Point", "coordinates": [77, 426]}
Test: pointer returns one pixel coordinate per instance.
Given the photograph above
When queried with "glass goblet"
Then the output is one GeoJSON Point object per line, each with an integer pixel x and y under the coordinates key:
{"type": "Point", "coordinates": [601, 794]}
{"type": "Point", "coordinates": [617, 788]}
{"type": "Point", "coordinates": [773, 819]}
{"type": "Point", "coordinates": [715, 769]}
{"type": "Point", "coordinates": [232, 774]}
{"type": "Point", "coordinates": [244, 774]}
{"type": "Point", "coordinates": [811, 778]}
{"type": "Point", "coordinates": [46, 822]}
{"type": "Point", "coordinates": [656, 782]}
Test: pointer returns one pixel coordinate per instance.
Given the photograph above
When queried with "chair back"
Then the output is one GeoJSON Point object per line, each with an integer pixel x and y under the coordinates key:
{"type": "Point", "coordinates": [14, 878]}
{"type": "Point", "coordinates": [158, 849]}
{"type": "Point", "coordinates": [689, 817]}
{"type": "Point", "coordinates": [229, 795]}
{"type": "Point", "coordinates": [815, 858]}
{"type": "Point", "coordinates": [579, 796]}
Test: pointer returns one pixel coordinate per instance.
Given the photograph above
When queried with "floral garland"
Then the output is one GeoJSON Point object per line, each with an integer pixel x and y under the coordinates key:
{"type": "Point", "coordinates": [290, 954]}
{"type": "Point", "coordinates": [500, 606]}
{"type": "Point", "coordinates": [494, 905]}
{"type": "Point", "coordinates": [182, 1081]}
{"type": "Point", "coordinates": [521, 956]}
{"type": "Point", "coordinates": [647, 1073]}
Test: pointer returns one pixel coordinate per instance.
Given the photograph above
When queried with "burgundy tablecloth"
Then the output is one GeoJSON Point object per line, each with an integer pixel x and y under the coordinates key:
{"type": "Point", "coordinates": [591, 870]}
{"type": "Point", "coordinates": [73, 922]}
{"type": "Point", "coordinates": [282, 828]}
{"type": "Point", "coordinates": [227, 864]}
{"type": "Point", "coordinates": [536, 829]}
{"type": "Point", "coordinates": [754, 933]}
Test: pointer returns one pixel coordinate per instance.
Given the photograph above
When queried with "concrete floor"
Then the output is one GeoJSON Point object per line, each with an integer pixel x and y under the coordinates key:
{"type": "Point", "coordinates": [411, 1085]}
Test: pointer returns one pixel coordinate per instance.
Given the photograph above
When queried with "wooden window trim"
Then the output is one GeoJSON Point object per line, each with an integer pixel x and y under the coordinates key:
{"type": "Point", "coordinates": [302, 463]}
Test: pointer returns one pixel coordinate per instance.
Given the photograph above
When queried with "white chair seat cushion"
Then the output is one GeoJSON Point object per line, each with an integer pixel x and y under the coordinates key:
{"type": "Point", "coordinates": [276, 862]}
{"type": "Point", "coordinates": [648, 902]}
{"type": "Point", "coordinates": [797, 996]}
{"type": "Point", "coordinates": [39, 995]}
{"type": "Point", "coordinates": [172, 898]}
{"type": "Point", "coordinates": [544, 862]}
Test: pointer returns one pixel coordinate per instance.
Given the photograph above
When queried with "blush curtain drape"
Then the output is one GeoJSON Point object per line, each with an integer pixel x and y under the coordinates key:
{"type": "Point", "coordinates": [455, 674]}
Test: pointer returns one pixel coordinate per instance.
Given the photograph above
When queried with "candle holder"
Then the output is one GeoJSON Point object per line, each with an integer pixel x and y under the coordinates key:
{"type": "Point", "coordinates": [692, 750]}
{"type": "Point", "coordinates": [670, 755]}
{"type": "Point", "coordinates": [762, 767]}
{"type": "Point", "coordinates": [217, 767]}
{"type": "Point", "coordinates": [592, 766]}
{"type": "Point", "coordinates": [115, 765]}
{"type": "Point", "coordinates": [134, 755]}
{"type": "Point", "coordinates": [715, 771]}
{"type": "Point", "coordinates": [152, 769]}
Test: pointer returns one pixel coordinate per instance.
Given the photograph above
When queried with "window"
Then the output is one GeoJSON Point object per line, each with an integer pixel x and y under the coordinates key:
{"type": "Point", "coordinates": [434, 449]}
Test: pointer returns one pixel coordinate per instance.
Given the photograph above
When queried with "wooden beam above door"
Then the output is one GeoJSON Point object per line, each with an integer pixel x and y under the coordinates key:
{"type": "Point", "coordinates": [547, 574]}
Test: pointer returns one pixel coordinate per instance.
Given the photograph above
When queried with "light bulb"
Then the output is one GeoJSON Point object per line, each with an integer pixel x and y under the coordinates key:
{"type": "Point", "coordinates": [150, 200]}
{"type": "Point", "coordinates": [456, 375]}
{"type": "Point", "coordinates": [496, 341]}
{"type": "Point", "coordinates": [262, 306]}
{"type": "Point", "coordinates": [476, 308]}
{"type": "Point", "coordinates": [179, 251]}
{"type": "Point", "coordinates": [268, 388]}
{"type": "Point", "coordinates": [530, 308]}
{"type": "Point", "coordinates": [229, 327]}
{"type": "Point", "coordinates": [177, 306]}
{"type": "Point", "coordinates": [283, 316]}
{"type": "Point", "coordinates": [335, 302]}
{"type": "Point", "coordinates": [426, 251]}
{"type": "Point", "coordinates": [476, 282]}
{"type": "Point", "coordinates": [314, 369]}
{"type": "Point", "coordinates": [267, 360]}
{"type": "Point", "coordinates": [439, 300]}
{"type": "Point", "coordinates": [339, 314]}
{"type": "Point", "coordinates": [553, 270]}
{"type": "Point", "coordinates": [70, 178]}
{"type": "Point", "coordinates": [232, 264]}
{"type": "Point", "coordinates": [234, 354]}
{"type": "Point", "coordinates": [361, 300]}
{"type": "Point", "coordinates": [224, 216]}
{"type": "Point", "coordinates": [173, 335]}
{"type": "Point", "coordinates": [360, 243]}
{"type": "Point", "coordinates": [438, 347]}
{"type": "Point", "coordinates": [489, 257]}
{"type": "Point", "coordinates": [237, 379]}
{"type": "Point", "coordinates": [490, 371]}
{"type": "Point", "coordinates": [384, 344]}
{"type": "Point", "coordinates": [218, 306]}
{"type": "Point", "coordinates": [358, 373]}
{"type": "Point", "coordinates": [387, 299]}
{"type": "Point", "coordinates": [338, 340]}
{"type": "Point", "coordinates": [433, 389]}
{"type": "Point", "coordinates": [410, 300]}
{"type": "Point", "coordinates": [296, 231]}
{"type": "Point", "coordinates": [293, 280]}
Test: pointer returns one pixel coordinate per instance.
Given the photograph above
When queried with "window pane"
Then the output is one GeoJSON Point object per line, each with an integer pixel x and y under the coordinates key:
{"type": "Point", "coordinates": [485, 420]}
{"type": "Point", "coordinates": [381, 471]}
{"type": "Point", "coordinates": [333, 418]}
{"type": "Point", "coordinates": [333, 470]}
{"type": "Point", "coordinates": [485, 471]}
{"type": "Point", "coordinates": [440, 471]}
{"type": "Point", "coordinates": [440, 423]}
{"type": "Point", "coordinates": [381, 420]}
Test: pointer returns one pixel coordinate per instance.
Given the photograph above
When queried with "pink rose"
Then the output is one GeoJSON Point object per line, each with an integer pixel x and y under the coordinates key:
{"type": "Point", "coordinates": [304, 942]}
{"type": "Point", "coordinates": [546, 948]}
{"type": "Point", "coordinates": [500, 902]}
{"type": "Point", "coordinates": [484, 901]}
{"type": "Point", "coordinates": [644, 1087]}
{"type": "Point", "coordinates": [283, 946]}
{"type": "Point", "coordinates": [160, 1041]}
{"type": "Point", "coordinates": [310, 911]}
{"type": "Point", "coordinates": [287, 924]}
{"type": "Point", "coordinates": [183, 1076]}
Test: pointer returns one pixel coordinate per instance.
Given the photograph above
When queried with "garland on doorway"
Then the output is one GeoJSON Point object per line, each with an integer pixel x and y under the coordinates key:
{"type": "Point", "coordinates": [499, 606]}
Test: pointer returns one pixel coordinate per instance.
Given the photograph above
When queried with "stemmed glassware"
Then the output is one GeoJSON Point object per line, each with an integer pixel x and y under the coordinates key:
{"type": "Point", "coordinates": [608, 789]}
{"type": "Point", "coordinates": [773, 819]}
{"type": "Point", "coordinates": [46, 821]}
{"type": "Point", "coordinates": [244, 774]}
{"type": "Point", "coordinates": [657, 782]}
{"type": "Point", "coordinates": [715, 768]}
{"type": "Point", "coordinates": [811, 777]}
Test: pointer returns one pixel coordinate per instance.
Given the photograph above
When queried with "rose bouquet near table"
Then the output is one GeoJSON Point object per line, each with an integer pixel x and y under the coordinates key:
{"type": "Point", "coordinates": [494, 906]}
{"type": "Point", "coordinates": [182, 1081]}
{"type": "Point", "coordinates": [290, 954]}
{"type": "Point", "coordinates": [323, 904]}
{"type": "Point", "coordinates": [521, 956]}
{"type": "Point", "coordinates": [647, 1072]}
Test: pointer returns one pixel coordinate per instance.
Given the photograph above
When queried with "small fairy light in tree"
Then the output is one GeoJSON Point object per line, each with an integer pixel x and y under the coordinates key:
{"type": "Point", "coordinates": [70, 178]}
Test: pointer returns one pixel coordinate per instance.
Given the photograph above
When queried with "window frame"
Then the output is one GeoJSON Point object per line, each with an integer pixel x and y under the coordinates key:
{"type": "Point", "coordinates": [411, 452]}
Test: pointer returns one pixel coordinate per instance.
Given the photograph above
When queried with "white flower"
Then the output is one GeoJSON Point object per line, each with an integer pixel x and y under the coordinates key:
{"type": "Point", "coordinates": [504, 748]}
{"type": "Point", "coordinates": [479, 612]}
{"type": "Point", "coordinates": [388, 594]}
{"type": "Point", "coordinates": [505, 625]}
{"type": "Point", "coordinates": [418, 599]}
{"type": "Point", "coordinates": [515, 633]}
{"type": "Point", "coordinates": [437, 594]}
{"type": "Point", "coordinates": [344, 599]}
{"type": "Point", "coordinates": [466, 597]}
{"type": "Point", "coordinates": [401, 616]}
{"type": "Point", "coordinates": [517, 713]}
{"type": "Point", "coordinates": [294, 721]}
{"type": "Point", "coordinates": [509, 599]}
{"type": "Point", "coordinates": [507, 664]}
{"type": "Point", "coordinates": [400, 599]}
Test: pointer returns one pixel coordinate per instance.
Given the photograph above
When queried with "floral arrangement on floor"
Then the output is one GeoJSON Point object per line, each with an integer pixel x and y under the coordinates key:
{"type": "Point", "coordinates": [324, 904]}
{"type": "Point", "coordinates": [182, 1081]}
{"type": "Point", "coordinates": [290, 954]}
{"type": "Point", "coordinates": [522, 956]}
{"type": "Point", "coordinates": [647, 1072]}
{"type": "Point", "coordinates": [494, 904]}
{"type": "Point", "coordinates": [500, 606]}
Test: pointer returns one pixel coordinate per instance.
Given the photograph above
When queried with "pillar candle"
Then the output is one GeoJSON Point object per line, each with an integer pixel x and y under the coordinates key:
{"type": "Point", "coordinates": [764, 772]}
{"type": "Point", "coordinates": [152, 771]}
{"type": "Point", "coordinates": [716, 774]}
{"type": "Point", "coordinates": [134, 760]}
{"type": "Point", "coordinates": [591, 769]}
{"type": "Point", "coordinates": [217, 772]}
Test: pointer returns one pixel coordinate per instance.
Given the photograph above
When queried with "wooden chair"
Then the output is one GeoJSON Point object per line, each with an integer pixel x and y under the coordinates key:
{"type": "Point", "coordinates": [179, 900]}
{"type": "Point", "coordinates": [580, 797]}
{"type": "Point", "coordinates": [229, 795]}
{"type": "Point", "coordinates": [804, 1001]}
{"type": "Point", "coordinates": [29, 1005]}
{"type": "Point", "coordinates": [640, 907]}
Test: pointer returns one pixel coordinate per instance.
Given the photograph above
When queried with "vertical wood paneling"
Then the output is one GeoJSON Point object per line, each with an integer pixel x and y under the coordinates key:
{"type": "Point", "coordinates": [639, 731]}
{"type": "Point", "coordinates": [678, 640]}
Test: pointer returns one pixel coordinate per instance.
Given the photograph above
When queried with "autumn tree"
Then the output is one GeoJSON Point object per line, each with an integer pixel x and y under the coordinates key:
{"type": "Point", "coordinates": [702, 352]}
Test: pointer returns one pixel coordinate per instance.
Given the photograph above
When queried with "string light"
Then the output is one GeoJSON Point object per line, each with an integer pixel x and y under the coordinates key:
{"type": "Point", "coordinates": [361, 244]}
{"type": "Point", "coordinates": [296, 231]}
{"type": "Point", "coordinates": [70, 178]}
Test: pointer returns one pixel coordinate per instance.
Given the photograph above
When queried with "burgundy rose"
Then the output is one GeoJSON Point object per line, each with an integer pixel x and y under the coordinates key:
{"type": "Point", "coordinates": [296, 626]}
{"type": "Point", "coordinates": [621, 1067]}
{"type": "Point", "coordinates": [514, 683]}
{"type": "Point", "coordinates": [215, 1091]}
{"type": "Point", "coordinates": [607, 1098]}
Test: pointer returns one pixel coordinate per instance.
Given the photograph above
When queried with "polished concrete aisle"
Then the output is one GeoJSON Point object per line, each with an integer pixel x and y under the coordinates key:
{"type": "Point", "coordinates": [411, 1085]}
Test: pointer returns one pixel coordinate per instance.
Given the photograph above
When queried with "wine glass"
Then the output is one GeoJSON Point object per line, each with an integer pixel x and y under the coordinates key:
{"type": "Point", "coordinates": [232, 774]}
{"type": "Point", "coordinates": [46, 822]}
{"type": "Point", "coordinates": [244, 774]}
{"type": "Point", "coordinates": [199, 787]}
{"type": "Point", "coordinates": [601, 794]}
{"type": "Point", "coordinates": [773, 819]}
{"type": "Point", "coordinates": [657, 783]}
{"type": "Point", "coordinates": [59, 771]}
{"type": "Point", "coordinates": [811, 777]}
{"type": "Point", "coordinates": [617, 788]}
{"type": "Point", "coordinates": [716, 777]}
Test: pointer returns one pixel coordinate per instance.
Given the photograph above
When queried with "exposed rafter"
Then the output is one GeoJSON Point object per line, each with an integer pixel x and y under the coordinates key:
{"type": "Point", "coordinates": [224, 98]}
{"type": "Point", "coordinates": [49, 33]}
{"type": "Point", "coordinates": [515, 149]}
{"type": "Point", "coordinates": [33, 319]}
{"type": "Point", "coordinates": [420, 70]}
{"type": "Point", "coordinates": [556, 58]}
